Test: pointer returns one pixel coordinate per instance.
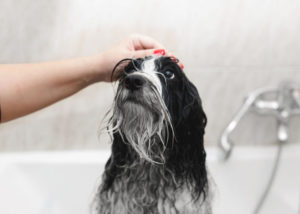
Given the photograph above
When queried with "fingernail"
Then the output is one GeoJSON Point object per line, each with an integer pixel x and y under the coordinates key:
{"type": "Point", "coordinates": [160, 52]}
{"type": "Point", "coordinates": [181, 65]}
{"type": "Point", "coordinates": [174, 59]}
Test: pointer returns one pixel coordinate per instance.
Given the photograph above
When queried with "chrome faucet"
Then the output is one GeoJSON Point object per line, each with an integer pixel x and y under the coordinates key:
{"type": "Point", "coordinates": [281, 102]}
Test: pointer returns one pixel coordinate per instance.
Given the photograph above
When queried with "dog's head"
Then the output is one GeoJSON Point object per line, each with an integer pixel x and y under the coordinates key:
{"type": "Point", "coordinates": [157, 110]}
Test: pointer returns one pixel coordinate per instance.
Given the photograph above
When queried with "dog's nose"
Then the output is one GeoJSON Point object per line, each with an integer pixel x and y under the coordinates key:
{"type": "Point", "coordinates": [134, 82]}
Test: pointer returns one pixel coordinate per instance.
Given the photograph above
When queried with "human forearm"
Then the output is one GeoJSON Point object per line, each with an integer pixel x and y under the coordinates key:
{"type": "Point", "coordinates": [25, 88]}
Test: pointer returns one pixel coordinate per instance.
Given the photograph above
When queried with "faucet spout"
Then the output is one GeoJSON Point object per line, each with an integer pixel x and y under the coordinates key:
{"type": "Point", "coordinates": [285, 102]}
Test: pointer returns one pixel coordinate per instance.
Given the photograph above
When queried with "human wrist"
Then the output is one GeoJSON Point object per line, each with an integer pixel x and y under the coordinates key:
{"type": "Point", "coordinates": [103, 65]}
{"type": "Point", "coordinates": [94, 68]}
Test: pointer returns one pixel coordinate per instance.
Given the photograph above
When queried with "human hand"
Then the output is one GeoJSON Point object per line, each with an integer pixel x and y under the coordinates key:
{"type": "Point", "coordinates": [65, 77]}
{"type": "Point", "coordinates": [135, 46]}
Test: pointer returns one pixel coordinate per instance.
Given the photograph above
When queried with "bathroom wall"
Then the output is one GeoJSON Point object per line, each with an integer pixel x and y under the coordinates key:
{"type": "Point", "coordinates": [229, 48]}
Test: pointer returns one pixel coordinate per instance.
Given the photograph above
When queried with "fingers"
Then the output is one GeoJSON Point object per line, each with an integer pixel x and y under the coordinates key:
{"type": "Point", "coordinates": [176, 60]}
{"type": "Point", "coordinates": [145, 42]}
{"type": "Point", "coordinates": [147, 46]}
{"type": "Point", "coordinates": [162, 52]}
{"type": "Point", "coordinates": [149, 52]}
{"type": "Point", "coordinates": [143, 53]}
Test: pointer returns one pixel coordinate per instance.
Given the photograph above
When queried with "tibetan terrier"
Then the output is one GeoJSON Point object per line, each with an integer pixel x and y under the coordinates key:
{"type": "Point", "coordinates": [157, 164]}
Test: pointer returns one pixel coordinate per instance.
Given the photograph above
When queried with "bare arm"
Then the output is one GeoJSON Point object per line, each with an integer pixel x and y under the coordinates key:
{"type": "Point", "coordinates": [25, 88]}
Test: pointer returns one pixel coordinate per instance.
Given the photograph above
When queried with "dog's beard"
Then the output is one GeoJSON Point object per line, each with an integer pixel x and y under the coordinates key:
{"type": "Point", "coordinates": [143, 122]}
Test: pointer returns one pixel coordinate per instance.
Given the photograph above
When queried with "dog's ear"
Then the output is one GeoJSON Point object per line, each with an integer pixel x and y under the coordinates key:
{"type": "Point", "coordinates": [189, 155]}
{"type": "Point", "coordinates": [192, 113]}
{"type": "Point", "coordinates": [190, 127]}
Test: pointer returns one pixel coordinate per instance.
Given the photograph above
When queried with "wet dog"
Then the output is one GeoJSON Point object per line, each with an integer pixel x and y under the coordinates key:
{"type": "Point", "coordinates": [157, 165]}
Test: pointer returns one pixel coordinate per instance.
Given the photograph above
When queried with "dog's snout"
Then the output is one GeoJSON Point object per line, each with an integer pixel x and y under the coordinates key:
{"type": "Point", "coordinates": [134, 82]}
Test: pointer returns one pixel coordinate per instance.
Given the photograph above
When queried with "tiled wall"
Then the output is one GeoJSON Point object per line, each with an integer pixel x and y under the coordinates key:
{"type": "Point", "coordinates": [229, 48]}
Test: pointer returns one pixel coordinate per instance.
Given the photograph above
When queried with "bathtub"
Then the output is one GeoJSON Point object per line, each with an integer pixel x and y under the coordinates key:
{"type": "Point", "coordinates": [65, 182]}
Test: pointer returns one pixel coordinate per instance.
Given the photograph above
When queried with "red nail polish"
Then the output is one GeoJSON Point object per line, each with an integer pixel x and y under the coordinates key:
{"type": "Point", "coordinates": [181, 66]}
{"type": "Point", "coordinates": [160, 52]}
{"type": "Point", "coordinates": [174, 59]}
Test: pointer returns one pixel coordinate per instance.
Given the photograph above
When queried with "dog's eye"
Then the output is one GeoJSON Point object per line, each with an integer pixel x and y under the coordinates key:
{"type": "Point", "coordinates": [169, 74]}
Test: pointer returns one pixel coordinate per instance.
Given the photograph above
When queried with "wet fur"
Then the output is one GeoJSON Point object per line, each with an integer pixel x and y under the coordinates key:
{"type": "Point", "coordinates": [165, 174]}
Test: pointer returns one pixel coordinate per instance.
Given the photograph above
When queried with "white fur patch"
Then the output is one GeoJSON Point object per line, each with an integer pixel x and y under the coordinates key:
{"type": "Point", "coordinates": [149, 71]}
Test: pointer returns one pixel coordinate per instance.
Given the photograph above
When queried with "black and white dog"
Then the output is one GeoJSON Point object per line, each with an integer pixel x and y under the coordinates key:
{"type": "Point", "coordinates": [157, 165]}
